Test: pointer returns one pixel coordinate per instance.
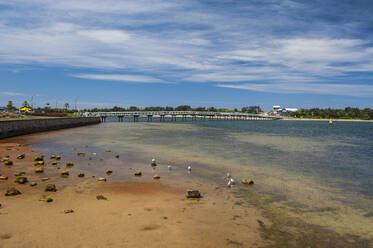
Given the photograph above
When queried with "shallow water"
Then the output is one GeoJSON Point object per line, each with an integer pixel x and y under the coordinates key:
{"type": "Point", "coordinates": [308, 175]}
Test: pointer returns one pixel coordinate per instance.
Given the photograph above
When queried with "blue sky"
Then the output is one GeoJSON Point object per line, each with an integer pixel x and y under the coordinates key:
{"type": "Point", "coordinates": [202, 53]}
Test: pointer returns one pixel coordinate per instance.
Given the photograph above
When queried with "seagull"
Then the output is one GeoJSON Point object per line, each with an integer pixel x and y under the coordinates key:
{"type": "Point", "coordinates": [189, 168]}
{"type": "Point", "coordinates": [169, 167]}
{"type": "Point", "coordinates": [153, 160]}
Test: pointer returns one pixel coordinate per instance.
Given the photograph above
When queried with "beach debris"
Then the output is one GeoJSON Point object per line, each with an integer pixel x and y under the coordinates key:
{"type": "Point", "coordinates": [8, 162]}
{"type": "Point", "coordinates": [154, 163]}
{"type": "Point", "coordinates": [156, 176]}
{"type": "Point", "coordinates": [50, 188]}
{"type": "Point", "coordinates": [18, 174]}
{"type": "Point", "coordinates": [3, 178]}
{"type": "Point", "coordinates": [39, 163]}
{"type": "Point", "coordinates": [12, 192]}
{"type": "Point", "coordinates": [101, 179]}
{"type": "Point", "coordinates": [117, 156]}
{"type": "Point", "coordinates": [39, 170]}
{"type": "Point", "coordinates": [53, 156]}
{"type": "Point", "coordinates": [21, 180]}
{"type": "Point", "coordinates": [39, 158]}
{"type": "Point", "coordinates": [81, 154]}
{"type": "Point", "coordinates": [68, 211]}
{"type": "Point", "coordinates": [101, 197]}
{"type": "Point", "coordinates": [247, 181]}
{"type": "Point", "coordinates": [138, 173]}
{"type": "Point", "coordinates": [33, 184]}
{"type": "Point", "coordinates": [109, 172]}
{"type": "Point", "coordinates": [193, 194]}
{"type": "Point", "coordinates": [64, 173]}
{"type": "Point", "coordinates": [189, 168]}
{"type": "Point", "coordinates": [21, 156]}
{"type": "Point", "coordinates": [69, 164]}
{"type": "Point", "coordinates": [108, 150]}
{"type": "Point", "coordinates": [58, 157]}
{"type": "Point", "coordinates": [169, 167]}
{"type": "Point", "coordinates": [44, 179]}
{"type": "Point", "coordinates": [81, 175]}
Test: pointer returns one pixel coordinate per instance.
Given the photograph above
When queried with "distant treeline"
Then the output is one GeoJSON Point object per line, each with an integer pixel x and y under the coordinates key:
{"type": "Point", "coordinates": [249, 109]}
{"type": "Point", "coordinates": [347, 113]}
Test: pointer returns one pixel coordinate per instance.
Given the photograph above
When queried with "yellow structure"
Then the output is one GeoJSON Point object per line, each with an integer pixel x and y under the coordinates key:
{"type": "Point", "coordinates": [24, 109]}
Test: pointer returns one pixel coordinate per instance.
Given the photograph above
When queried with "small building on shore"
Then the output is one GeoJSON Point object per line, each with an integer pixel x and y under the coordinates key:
{"type": "Point", "coordinates": [283, 111]}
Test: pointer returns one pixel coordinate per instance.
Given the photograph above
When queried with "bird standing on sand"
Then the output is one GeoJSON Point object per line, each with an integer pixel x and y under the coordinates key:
{"type": "Point", "coordinates": [189, 168]}
{"type": "Point", "coordinates": [169, 167]}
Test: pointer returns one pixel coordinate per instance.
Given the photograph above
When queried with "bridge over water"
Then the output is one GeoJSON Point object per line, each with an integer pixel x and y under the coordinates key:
{"type": "Point", "coordinates": [181, 115]}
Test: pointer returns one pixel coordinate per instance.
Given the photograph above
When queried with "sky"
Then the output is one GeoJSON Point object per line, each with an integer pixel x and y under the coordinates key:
{"type": "Point", "coordinates": [293, 53]}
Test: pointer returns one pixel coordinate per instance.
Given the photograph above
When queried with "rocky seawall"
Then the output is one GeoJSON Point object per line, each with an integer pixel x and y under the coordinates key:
{"type": "Point", "coordinates": [21, 127]}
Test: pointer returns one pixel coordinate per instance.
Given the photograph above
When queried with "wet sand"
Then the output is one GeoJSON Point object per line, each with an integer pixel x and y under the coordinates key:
{"type": "Point", "coordinates": [143, 214]}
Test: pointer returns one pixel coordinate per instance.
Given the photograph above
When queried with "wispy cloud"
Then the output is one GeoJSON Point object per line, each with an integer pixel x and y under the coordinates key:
{"type": "Point", "coordinates": [120, 77]}
{"type": "Point", "coordinates": [5, 93]}
{"type": "Point", "coordinates": [194, 41]}
{"type": "Point", "coordinates": [334, 89]}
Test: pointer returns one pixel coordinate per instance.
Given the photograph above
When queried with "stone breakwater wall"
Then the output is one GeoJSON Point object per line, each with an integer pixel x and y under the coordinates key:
{"type": "Point", "coordinates": [21, 127]}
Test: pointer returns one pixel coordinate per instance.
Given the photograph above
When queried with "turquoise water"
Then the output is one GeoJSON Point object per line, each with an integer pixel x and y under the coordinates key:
{"type": "Point", "coordinates": [308, 174]}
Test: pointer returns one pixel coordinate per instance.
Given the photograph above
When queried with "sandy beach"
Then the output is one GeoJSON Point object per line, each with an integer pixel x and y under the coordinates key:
{"type": "Point", "coordinates": [143, 214]}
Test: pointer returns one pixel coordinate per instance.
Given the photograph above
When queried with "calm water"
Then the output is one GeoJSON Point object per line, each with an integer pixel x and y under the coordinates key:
{"type": "Point", "coordinates": [307, 174]}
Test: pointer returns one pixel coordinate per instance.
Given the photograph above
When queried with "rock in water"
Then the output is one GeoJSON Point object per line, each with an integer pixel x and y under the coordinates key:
{"type": "Point", "coordinates": [247, 181]}
{"type": "Point", "coordinates": [193, 194]}
{"type": "Point", "coordinates": [138, 173]}
{"type": "Point", "coordinates": [50, 188]}
{"type": "Point", "coordinates": [101, 197]}
{"type": "Point", "coordinates": [81, 154]}
{"type": "Point", "coordinates": [156, 176]}
{"type": "Point", "coordinates": [12, 192]}
{"type": "Point", "coordinates": [39, 170]}
{"type": "Point", "coordinates": [21, 180]}
{"type": "Point", "coordinates": [21, 156]}
{"type": "Point", "coordinates": [39, 158]}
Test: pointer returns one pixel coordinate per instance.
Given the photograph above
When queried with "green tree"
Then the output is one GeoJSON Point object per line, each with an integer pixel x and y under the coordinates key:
{"type": "Point", "coordinates": [66, 105]}
{"type": "Point", "coordinates": [10, 106]}
{"type": "Point", "coordinates": [26, 104]}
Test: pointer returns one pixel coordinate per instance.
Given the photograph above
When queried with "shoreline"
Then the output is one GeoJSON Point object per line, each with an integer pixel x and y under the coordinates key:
{"type": "Point", "coordinates": [334, 120]}
{"type": "Point", "coordinates": [134, 214]}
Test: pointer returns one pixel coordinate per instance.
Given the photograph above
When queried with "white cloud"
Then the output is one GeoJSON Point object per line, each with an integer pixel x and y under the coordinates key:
{"type": "Point", "coordinates": [5, 93]}
{"type": "Point", "coordinates": [120, 77]}
{"type": "Point", "coordinates": [334, 89]}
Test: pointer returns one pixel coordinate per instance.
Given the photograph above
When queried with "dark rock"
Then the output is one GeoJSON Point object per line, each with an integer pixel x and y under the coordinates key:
{"type": "Point", "coordinates": [21, 156]}
{"type": "Point", "coordinates": [101, 197]}
{"type": "Point", "coordinates": [39, 158]}
{"type": "Point", "coordinates": [21, 180]}
{"type": "Point", "coordinates": [193, 194]}
{"type": "Point", "coordinates": [20, 174]}
{"type": "Point", "coordinates": [50, 188]}
{"type": "Point", "coordinates": [247, 181]}
{"type": "Point", "coordinates": [12, 192]}
{"type": "Point", "coordinates": [33, 184]}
